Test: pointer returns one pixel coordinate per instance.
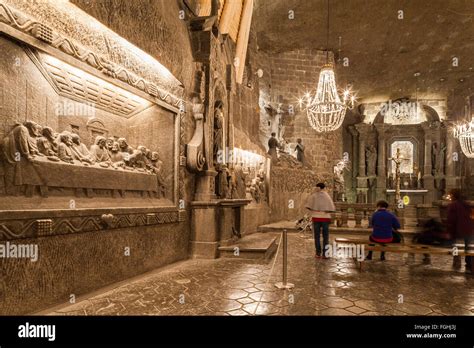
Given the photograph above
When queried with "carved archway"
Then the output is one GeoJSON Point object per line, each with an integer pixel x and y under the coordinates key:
{"type": "Point", "coordinates": [430, 113]}
{"type": "Point", "coordinates": [96, 127]}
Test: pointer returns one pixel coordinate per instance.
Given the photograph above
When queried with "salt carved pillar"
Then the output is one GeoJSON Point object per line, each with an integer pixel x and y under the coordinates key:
{"type": "Point", "coordinates": [428, 179]}
{"type": "Point", "coordinates": [452, 156]}
{"type": "Point", "coordinates": [363, 130]}
{"type": "Point", "coordinates": [381, 160]}
{"type": "Point", "coordinates": [354, 157]}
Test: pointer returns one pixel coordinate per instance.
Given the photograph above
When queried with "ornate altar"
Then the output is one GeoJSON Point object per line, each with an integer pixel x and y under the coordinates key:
{"type": "Point", "coordinates": [420, 136]}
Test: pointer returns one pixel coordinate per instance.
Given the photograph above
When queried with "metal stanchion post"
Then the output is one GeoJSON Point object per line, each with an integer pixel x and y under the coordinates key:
{"type": "Point", "coordinates": [285, 284]}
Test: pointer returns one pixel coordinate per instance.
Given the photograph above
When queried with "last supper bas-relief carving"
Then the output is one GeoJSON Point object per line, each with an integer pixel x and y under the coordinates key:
{"type": "Point", "coordinates": [96, 145]}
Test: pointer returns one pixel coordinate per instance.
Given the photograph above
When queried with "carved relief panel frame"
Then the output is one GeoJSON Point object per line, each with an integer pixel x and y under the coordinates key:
{"type": "Point", "coordinates": [33, 222]}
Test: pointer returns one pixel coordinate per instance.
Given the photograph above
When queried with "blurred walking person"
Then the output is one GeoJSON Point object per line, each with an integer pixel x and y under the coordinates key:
{"type": "Point", "coordinates": [460, 224]}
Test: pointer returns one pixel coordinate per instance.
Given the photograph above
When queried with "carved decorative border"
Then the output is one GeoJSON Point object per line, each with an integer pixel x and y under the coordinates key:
{"type": "Point", "coordinates": [40, 31]}
{"type": "Point", "coordinates": [33, 228]}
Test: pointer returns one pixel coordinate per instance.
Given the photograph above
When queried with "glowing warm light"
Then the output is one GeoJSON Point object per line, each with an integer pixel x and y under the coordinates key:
{"type": "Point", "coordinates": [465, 134]}
{"type": "Point", "coordinates": [247, 158]}
{"type": "Point", "coordinates": [85, 76]}
{"type": "Point", "coordinates": [325, 110]}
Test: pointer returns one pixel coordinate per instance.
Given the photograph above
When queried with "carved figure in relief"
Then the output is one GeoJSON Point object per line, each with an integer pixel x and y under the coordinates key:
{"type": "Point", "coordinates": [139, 159]}
{"type": "Point", "coordinates": [124, 147]}
{"type": "Point", "coordinates": [16, 144]}
{"type": "Point", "coordinates": [99, 152]}
{"type": "Point", "coordinates": [258, 189]}
{"type": "Point", "coordinates": [222, 189]}
{"type": "Point", "coordinates": [116, 156]}
{"type": "Point", "coordinates": [34, 132]}
{"type": "Point", "coordinates": [109, 143]}
{"type": "Point", "coordinates": [255, 190]}
{"type": "Point", "coordinates": [263, 188]}
{"type": "Point", "coordinates": [239, 179]}
{"type": "Point", "coordinates": [156, 167]}
{"type": "Point", "coordinates": [80, 150]}
{"type": "Point", "coordinates": [47, 144]}
{"type": "Point", "coordinates": [65, 153]}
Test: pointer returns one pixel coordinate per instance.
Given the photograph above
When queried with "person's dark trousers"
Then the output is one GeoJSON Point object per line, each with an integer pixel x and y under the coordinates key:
{"type": "Point", "coordinates": [317, 226]}
{"type": "Point", "coordinates": [468, 241]}
{"type": "Point", "coordinates": [396, 238]}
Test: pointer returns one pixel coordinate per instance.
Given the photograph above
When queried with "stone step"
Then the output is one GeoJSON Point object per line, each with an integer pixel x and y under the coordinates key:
{"type": "Point", "coordinates": [253, 246]}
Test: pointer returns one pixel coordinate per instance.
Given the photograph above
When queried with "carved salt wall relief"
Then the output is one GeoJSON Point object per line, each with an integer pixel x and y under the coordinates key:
{"type": "Point", "coordinates": [73, 140]}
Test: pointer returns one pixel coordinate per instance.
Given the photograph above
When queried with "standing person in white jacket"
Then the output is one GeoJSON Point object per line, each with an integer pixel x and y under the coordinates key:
{"type": "Point", "coordinates": [320, 205]}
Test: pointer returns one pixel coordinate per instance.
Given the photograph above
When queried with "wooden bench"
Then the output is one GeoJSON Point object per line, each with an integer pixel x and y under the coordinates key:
{"type": "Point", "coordinates": [456, 250]}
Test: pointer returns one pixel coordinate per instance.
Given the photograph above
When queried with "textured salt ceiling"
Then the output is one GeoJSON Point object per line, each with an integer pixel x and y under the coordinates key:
{"type": "Point", "coordinates": [384, 52]}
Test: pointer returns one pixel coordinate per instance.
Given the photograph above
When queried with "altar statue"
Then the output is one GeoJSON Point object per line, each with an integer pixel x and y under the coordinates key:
{"type": "Point", "coordinates": [218, 133]}
{"type": "Point", "coordinates": [371, 159]}
{"type": "Point", "coordinates": [440, 160]}
{"type": "Point", "coordinates": [434, 158]}
{"type": "Point", "coordinates": [398, 159]}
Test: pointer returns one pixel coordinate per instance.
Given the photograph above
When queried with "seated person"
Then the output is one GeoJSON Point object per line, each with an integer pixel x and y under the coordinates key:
{"type": "Point", "coordinates": [383, 223]}
{"type": "Point", "coordinates": [434, 233]}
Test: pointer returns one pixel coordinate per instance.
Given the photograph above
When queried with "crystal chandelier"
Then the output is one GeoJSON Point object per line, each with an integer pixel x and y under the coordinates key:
{"type": "Point", "coordinates": [465, 134]}
{"type": "Point", "coordinates": [325, 110]}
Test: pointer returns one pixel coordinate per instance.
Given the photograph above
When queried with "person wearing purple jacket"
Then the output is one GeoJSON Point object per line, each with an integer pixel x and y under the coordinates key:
{"type": "Point", "coordinates": [383, 225]}
{"type": "Point", "coordinates": [460, 223]}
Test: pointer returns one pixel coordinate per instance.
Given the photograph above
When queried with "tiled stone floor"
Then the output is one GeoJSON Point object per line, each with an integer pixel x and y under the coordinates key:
{"type": "Point", "coordinates": [322, 287]}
